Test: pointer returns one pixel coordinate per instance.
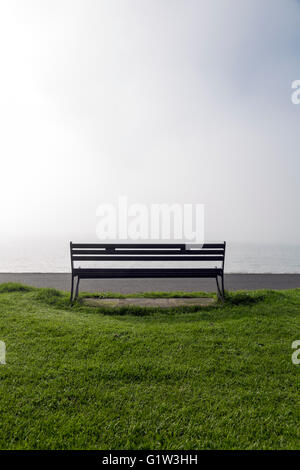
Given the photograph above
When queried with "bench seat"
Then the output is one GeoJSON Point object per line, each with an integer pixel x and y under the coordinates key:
{"type": "Point", "coordinates": [146, 272]}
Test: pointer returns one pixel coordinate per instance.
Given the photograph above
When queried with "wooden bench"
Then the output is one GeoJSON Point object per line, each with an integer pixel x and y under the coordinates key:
{"type": "Point", "coordinates": [91, 252]}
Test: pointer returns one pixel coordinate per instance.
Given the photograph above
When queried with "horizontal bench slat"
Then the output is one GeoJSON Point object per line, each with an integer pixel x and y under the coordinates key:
{"type": "Point", "coordinates": [128, 245]}
{"type": "Point", "coordinates": [145, 245]}
{"type": "Point", "coordinates": [146, 252]}
{"type": "Point", "coordinates": [147, 258]}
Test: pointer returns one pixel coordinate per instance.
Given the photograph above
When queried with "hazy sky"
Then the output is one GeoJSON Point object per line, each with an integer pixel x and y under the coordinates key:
{"type": "Point", "coordinates": [158, 100]}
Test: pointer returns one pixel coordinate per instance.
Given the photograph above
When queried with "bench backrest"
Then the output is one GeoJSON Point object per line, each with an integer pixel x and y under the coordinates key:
{"type": "Point", "coordinates": [147, 252]}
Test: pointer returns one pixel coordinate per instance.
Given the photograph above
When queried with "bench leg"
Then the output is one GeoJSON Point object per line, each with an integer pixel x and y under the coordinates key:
{"type": "Point", "coordinates": [223, 290]}
{"type": "Point", "coordinates": [77, 287]}
{"type": "Point", "coordinates": [220, 293]}
{"type": "Point", "coordinates": [72, 289]}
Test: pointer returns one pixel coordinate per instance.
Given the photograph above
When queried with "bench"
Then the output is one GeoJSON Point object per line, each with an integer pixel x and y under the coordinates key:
{"type": "Point", "coordinates": [89, 252]}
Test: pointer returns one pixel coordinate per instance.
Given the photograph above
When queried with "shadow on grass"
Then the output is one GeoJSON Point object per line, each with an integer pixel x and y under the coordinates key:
{"type": "Point", "coordinates": [251, 298]}
{"type": "Point", "coordinates": [51, 296]}
{"type": "Point", "coordinates": [61, 300]}
{"type": "Point", "coordinates": [14, 287]}
{"type": "Point", "coordinates": [58, 299]}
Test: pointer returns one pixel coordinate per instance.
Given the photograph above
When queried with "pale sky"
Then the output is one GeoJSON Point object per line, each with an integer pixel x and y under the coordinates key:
{"type": "Point", "coordinates": [166, 101]}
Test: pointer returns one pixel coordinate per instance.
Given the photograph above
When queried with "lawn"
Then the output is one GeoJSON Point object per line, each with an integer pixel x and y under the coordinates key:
{"type": "Point", "coordinates": [216, 377]}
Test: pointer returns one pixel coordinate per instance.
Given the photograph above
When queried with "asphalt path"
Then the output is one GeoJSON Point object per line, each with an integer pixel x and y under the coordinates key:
{"type": "Point", "coordinates": [233, 282]}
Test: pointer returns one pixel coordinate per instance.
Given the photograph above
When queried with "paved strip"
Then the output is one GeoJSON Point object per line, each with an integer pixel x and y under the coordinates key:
{"type": "Point", "coordinates": [162, 303]}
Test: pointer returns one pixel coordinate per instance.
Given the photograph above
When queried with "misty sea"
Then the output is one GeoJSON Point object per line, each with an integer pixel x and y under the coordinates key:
{"type": "Point", "coordinates": [53, 257]}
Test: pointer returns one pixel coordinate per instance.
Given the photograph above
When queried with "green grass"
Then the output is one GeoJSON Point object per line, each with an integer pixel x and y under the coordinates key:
{"type": "Point", "coordinates": [216, 377]}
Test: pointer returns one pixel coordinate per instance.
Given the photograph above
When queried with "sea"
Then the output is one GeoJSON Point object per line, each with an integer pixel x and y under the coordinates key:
{"type": "Point", "coordinates": [54, 257]}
